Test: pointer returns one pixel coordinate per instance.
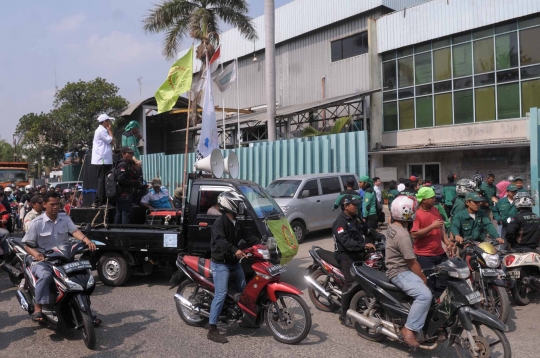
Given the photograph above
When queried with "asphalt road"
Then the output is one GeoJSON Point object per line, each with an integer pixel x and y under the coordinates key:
{"type": "Point", "coordinates": [140, 320]}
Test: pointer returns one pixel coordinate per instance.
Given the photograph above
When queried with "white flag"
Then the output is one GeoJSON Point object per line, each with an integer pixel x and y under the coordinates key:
{"type": "Point", "coordinates": [208, 140]}
{"type": "Point", "coordinates": [227, 77]}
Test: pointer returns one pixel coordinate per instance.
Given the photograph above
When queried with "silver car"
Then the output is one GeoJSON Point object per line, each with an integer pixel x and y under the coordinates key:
{"type": "Point", "coordinates": [308, 200]}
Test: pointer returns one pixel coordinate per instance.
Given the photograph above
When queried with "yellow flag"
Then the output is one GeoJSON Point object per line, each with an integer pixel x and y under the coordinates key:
{"type": "Point", "coordinates": [286, 241]}
{"type": "Point", "coordinates": [178, 81]}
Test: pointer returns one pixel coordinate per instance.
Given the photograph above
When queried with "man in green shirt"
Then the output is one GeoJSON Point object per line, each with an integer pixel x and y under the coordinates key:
{"type": "Point", "coordinates": [489, 191]}
{"type": "Point", "coordinates": [130, 138]}
{"type": "Point", "coordinates": [519, 183]}
{"type": "Point", "coordinates": [369, 204]}
{"type": "Point", "coordinates": [463, 187]}
{"type": "Point", "coordinates": [349, 190]}
{"type": "Point", "coordinates": [505, 209]}
{"type": "Point", "coordinates": [473, 222]}
{"type": "Point", "coordinates": [448, 194]}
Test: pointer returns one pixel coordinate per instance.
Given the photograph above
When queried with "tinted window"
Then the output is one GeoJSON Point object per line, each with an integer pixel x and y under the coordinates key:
{"type": "Point", "coordinates": [312, 186]}
{"type": "Point", "coordinates": [344, 179]}
{"type": "Point", "coordinates": [330, 185]}
{"type": "Point", "coordinates": [207, 198]}
{"type": "Point", "coordinates": [349, 46]}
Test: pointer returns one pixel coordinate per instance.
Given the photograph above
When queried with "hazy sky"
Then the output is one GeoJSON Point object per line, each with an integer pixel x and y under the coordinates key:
{"type": "Point", "coordinates": [86, 39]}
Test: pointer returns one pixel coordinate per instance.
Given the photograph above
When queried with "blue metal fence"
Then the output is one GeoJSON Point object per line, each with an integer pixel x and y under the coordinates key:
{"type": "Point", "coordinates": [266, 161]}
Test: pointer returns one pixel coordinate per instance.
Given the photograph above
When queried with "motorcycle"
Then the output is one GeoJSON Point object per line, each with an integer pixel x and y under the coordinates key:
{"type": "Point", "coordinates": [325, 279]}
{"type": "Point", "coordinates": [488, 277]}
{"type": "Point", "coordinates": [523, 265]}
{"type": "Point", "coordinates": [287, 316]}
{"type": "Point", "coordinates": [73, 283]}
{"type": "Point", "coordinates": [379, 310]}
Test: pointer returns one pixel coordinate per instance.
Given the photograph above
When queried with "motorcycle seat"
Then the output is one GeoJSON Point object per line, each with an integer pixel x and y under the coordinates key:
{"type": "Point", "coordinates": [328, 256]}
{"type": "Point", "coordinates": [17, 241]}
{"type": "Point", "coordinates": [378, 277]}
{"type": "Point", "coordinates": [199, 264]}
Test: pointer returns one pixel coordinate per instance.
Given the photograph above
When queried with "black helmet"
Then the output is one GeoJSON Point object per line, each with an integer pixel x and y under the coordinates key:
{"type": "Point", "coordinates": [229, 201]}
{"type": "Point", "coordinates": [478, 179]}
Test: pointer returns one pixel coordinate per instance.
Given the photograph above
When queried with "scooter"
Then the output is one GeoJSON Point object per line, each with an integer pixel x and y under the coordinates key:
{"type": "Point", "coordinates": [523, 265]}
{"type": "Point", "coordinates": [379, 310]}
{"type": "Point", "coordinates": [73, 282]}
{"type": "Point", "coordinates": [287, 316]}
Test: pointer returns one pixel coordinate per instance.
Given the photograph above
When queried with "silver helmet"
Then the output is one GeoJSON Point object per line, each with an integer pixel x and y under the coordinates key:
{"type": "Point", "coordinates": [523, 200]}
{"type": "Point", "coordinates": [464, 186]}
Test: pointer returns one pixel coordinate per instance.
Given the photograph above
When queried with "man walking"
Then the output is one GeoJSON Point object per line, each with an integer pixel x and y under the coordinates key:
{"type": "Point", "coordinates": [489, 192]}
{"type": "Point", "coordinates": [376, 187]}
{"type": "Point", "coordinates": [127, 183]}
{"type": "Point", "coordinates": [102, 155]}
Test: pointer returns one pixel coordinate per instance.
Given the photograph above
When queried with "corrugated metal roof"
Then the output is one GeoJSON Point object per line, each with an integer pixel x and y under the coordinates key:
{"type": "Point", "coordinates": [182, 102]}
{"type": "Point", "coordinates": [297, 18]}
{"type": "Point", "coordinates": [288, 111]}
{"type": "Point", "coordinates": [440, 18]}
{"type": "Point", "coordinates": [454, 146]}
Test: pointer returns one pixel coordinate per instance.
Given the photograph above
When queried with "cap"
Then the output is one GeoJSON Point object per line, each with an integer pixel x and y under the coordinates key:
{"type": "Point", "coordinates": [178, 192]}
{"type": "Point", "coordinates": [474, 197]}
{"type": "Point", "coordinates": [36, 199]}
{"type": "Point", "coordinates": [512, 187]}
{"type": "Point", "coordinates": [518, 178]}
{"type": "Point", "coordinates": [103, 117]}
{"type": "Point", "coordinates": [125, 150]}
{"type": "Point", "coordinates": [349, 199]}
{"type": "Point", "coordinates": [425, 193]}
{"type": "Point", "coordinates": [156, 182]}
{"type": "Point", "coordinates": [412, 178]}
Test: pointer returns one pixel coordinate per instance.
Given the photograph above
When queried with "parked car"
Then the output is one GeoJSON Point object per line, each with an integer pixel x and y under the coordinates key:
{"type": "Point", "coordinates": [307, 200]}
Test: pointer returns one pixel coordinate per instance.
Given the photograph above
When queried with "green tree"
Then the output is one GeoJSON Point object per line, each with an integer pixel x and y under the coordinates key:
{"type": "Point", "coordinates": [198, 19]}
{"type": "Point", "coordinates": [6, 151]}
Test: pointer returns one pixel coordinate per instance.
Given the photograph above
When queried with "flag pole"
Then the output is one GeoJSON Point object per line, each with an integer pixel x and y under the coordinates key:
{"type": "Point", "coordinates": [223, 105]}
{"type": "Point", "coordinates": [238, 101]}
{"type": "Point", "coordinates": [184, 182]}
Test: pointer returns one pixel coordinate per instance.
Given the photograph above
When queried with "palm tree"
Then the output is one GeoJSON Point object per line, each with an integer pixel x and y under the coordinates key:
{"type": "Point", "coordinates": [198, 19]}
{"type": "Point", "coordinates": [338, 126]}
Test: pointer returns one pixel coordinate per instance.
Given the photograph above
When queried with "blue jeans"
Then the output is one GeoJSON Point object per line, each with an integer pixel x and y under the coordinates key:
{"type": "Point", "coordinates": [220, 273]}
{"type": "Point", "coordinates": [413, 286]}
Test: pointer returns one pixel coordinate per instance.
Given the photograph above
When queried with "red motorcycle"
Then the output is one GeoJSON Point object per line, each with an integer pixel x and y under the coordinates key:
{"type": "Point", "coordinates": [287, 315]}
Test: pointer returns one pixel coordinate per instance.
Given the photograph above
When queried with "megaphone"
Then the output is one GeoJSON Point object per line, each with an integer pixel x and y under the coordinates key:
{"type": "Point", "coordinates": [211, 164]}
{"type": "Point", "coordinates": [231, 165]}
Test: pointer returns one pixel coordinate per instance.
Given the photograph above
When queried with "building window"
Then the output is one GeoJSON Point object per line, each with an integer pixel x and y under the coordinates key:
{"type": "Point", "coordinates": [349, 46]}
{"type": "Point", "coordinates": [484, 100]}
{"type": "Point", "coordinates": [406, 114]}
{"type": "Point", "coordinates": [390, 116]}
{"type": "Point", "coordinates": [463, 107]}
{"type": "Point", "coordinates": [508, 101]}
{"type": "Point", "coordinates": [424, 112]}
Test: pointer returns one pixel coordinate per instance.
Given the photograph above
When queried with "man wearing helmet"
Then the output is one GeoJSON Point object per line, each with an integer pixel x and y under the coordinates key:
{"type": "Point", "coordinates": [226, 235]}
{"type": "Point", "coordinates": [404, 270]}
{"type": "Point", "coordinates": [523, 230]}
{"type": "Point", "coordinates": [463, 187]}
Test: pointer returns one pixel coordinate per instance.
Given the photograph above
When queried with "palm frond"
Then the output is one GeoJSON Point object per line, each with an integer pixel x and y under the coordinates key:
{"type": "Point", "coordinates": [167, 14]}
{"type": "Point", "coordinates": [173, 37]}
{"type": "Point", "coordinates": [237, 19]}
{"type": "Point", "coordinates": [309, 131]}
{"type": "Point", "coordinates": [340, 124]}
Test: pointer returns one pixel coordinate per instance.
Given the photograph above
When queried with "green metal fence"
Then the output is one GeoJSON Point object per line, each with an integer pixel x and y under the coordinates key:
{"type": "Point", "coordinates": [535, 153]}
{"type": "Point", "coordinates": [266, 161]}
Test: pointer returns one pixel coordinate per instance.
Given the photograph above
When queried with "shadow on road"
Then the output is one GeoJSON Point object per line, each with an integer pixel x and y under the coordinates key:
{"type": "Point", "coordinates": [14, 335]}
{"type": "Point", "coordinates": [314, 337]}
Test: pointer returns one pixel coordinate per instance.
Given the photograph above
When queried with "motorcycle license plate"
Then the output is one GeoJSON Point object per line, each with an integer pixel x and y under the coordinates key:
{"type": "Point", "coordinates": [493, 272]}
{"type": "Point", "coordinates": [514, 274]}
{"type": "Point", "coordinates": [77, 266]}
{"type": "Point", "coordinates": [474, 297]}
{"type": "Point", "coordinates": [276, 270]}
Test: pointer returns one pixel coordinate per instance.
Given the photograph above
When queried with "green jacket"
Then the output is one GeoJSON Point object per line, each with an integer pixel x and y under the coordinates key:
{"type": "Point", "coordinates": [466, 227]}
{"type": "Point", "coordinates": [355, 194]}
{"type": "Point", "coordinates": [443, 215]}
{"type": "Point", "coordinates": [459, 205]}
{"type": "Point", "coordinates": [129, 140]}
{"type": "Point", "coordinates": [392, 194]}
{"type": "Point", "coordinates": [504, 210]}
{"type": "Point", "coordinates": [448, 194]}
{"type": "Point", "coordinates": [489, 192]}
{"type": "Point", "coordinates": [523, 190]}
{"type": "Point", "coordinates": [369, 206]}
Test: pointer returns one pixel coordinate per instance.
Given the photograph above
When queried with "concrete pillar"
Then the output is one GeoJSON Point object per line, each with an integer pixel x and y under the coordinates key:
{"type": "Point", "coordinates": [375, 161]}
{"type": "Point", "coordinates": [375, 103]}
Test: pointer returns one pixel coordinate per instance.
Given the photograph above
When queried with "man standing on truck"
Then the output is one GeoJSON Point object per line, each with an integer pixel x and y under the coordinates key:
{"type": "Point", "coordinates": [102, 155]}
{"type": "Point", "coordinates": [157, 198]}
{"type": "Point", "coordinates": [226, 235]}
{"type": "Point", "coordinates": [130, 138]}
{"type": "Point", "coordinates": [128, 182]}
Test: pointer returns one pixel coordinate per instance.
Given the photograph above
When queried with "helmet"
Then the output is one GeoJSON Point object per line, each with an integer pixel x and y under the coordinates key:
{"type": "Point", "coordinates": [79, 188]}
{"type": "Point", "coordinates": [8, 189]}
{"type": "Point", "coordinates": [404, 208]}
{"type": "Point", "coordinates": [66, 191]}
{"type": "Point", "coordinates": [510, 178]}
{"type": "Point", "coordinates": [523, 200]}
{"type": "Point", "coordinates": [478, 179]}
{"type": "Point", "coordinates": [28, 188]}
{"type": "Point", "coordinates": [464, 186]}
{"type": "Point", "coordinates": [229, 201]}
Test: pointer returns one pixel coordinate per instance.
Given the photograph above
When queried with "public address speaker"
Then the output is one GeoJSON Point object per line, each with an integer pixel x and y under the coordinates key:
{"type": "Point", "coordinates": [211, 164]}
{"type": "Point", "coordinates": [231, 165]}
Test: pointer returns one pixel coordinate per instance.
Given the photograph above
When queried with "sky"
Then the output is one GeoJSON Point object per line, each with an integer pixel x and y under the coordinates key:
{"type": "Point", "coordinates": [82, 40]}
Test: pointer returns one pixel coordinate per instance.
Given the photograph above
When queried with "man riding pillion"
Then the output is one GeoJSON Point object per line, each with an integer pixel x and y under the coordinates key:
{"type": "Point", "coordinates": [463, 187]}
{"type": "Point", "coordinates": [226, 235]}
{"type": "Point", "coordinates": [349, 244]}
{"type": "Point", "coordinates": [523, 230]}
{"type": "Point", "coordinates": [404, 271]}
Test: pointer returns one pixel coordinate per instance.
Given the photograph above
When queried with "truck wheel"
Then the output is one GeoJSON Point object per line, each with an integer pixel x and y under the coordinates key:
{"type": "Point", "coordinates": [113, 269]}
{"type": "Point", "coordinates": [299, 230]}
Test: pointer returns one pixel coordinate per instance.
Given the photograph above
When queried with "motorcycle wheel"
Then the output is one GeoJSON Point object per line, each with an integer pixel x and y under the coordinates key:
{"type": "Point", "coordinates": [521, 293]}
{"type": "Point", "coordinates": [89, 335]}
{"type": "Point", "coordinates": [318, 300]}
{"type": "Point", "coordinates": [186, 290]}
{"type": "Point", "coordinates": [297, 317]}
{"type": "Point", "coordinates": [497, 302]}
{"type": "Point", "coordinates": [359, 303]}
{"type": "Point", "coordinates": [491, 341]}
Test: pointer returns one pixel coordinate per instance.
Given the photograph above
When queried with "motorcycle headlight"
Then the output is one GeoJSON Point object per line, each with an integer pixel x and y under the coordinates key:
{"type": "Point", "coordinates": [491, 260]}
{"type": "Point", "coordinates": [265, 254]}
{"type": "Point", "coordinates": [90, 282]}
{"type": "Point", "coordinates": [462, 273]}
{"type": "Point", "coordinates": [285, 209]}
{"type": "Point", "coordinates": [73, 286]}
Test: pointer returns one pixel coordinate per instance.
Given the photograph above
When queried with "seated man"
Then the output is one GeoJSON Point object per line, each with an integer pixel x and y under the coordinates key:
{"type": "Point", "coordinates": [47, 231]}
{"type": "Point", "coordinates": [349, 245]}
{"type": "Point", "coordinates": [37, 209]}
{"type": "Point", "coordinates": [523, 230]}
{"type": "Point", "coordinates": [403, 269]}
{"type": "Point", "coordinates": [214, 209]}
{"type": "Point", "coordinates": [157, 198]}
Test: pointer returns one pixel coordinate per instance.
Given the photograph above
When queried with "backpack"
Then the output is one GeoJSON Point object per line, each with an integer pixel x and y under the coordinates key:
{"type": "Point", "coordinates": [110, 184]}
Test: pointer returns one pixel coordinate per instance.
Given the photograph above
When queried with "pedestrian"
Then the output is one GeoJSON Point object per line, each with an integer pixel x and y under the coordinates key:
{"type": "Point", "coordinates": [505, 209]}
{"type": "Point", "coordinates": [349, 190]}
{"type": "Point", "coordinates": [501, 186]}
{"type": "Point", "coordinates": [376, 187]}
{"type": "Point", "coordinates": [128, 183]}
{"type": "Point", "coordinates": [427, 182]}
{"type": "Point", "coordinates": [102, 155]}
{"type": "Point", "coordinates": [393, 192]}
{"type": "Point", "coordinates": [409, 189]}
{"type": "Point", "coordinates": [519, 183]}
{"type": "Point", "coordinates": [37, 209]}
{"type": "Point", "coordinates": [489, 191]}
{"type": "Point", "coordinates": [448, 194]}
{"type": "Point", "coordinates": [369, 203]}
{"type": "Point", "coordinates": [130, 138]}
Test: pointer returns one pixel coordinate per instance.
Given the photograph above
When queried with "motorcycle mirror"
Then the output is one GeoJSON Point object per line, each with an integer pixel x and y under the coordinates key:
{"type": "Point", "coordinates": [242, 244]}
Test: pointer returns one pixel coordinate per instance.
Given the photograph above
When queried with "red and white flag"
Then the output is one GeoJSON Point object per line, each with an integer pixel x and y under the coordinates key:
{"type": "Point", "coordinates": [215, 60]}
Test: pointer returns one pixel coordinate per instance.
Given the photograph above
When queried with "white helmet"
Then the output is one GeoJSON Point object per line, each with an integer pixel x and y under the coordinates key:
{"type": "Point", "coordinates": [523, 200]}
{"type": "Point", "coordinates": [8, 190]}
{"type": "Point", "coordinates": [229, 201]}
{"type": "Point", "coordinates": [404, 208]}
{"type": "Point", "coordinates": [464, 186]}
{"type": "Point", "coordinates": [28, 188]}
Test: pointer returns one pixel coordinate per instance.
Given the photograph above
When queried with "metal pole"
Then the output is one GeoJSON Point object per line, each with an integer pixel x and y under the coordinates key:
{"type": "Point", "coordinates": [223, 110]}
{"type": "Point", "coordinates": [270, 67]}
{"type": "Point", "coordinates": [184, 182]}
{"type": "Point", "coordinates": [237, 103]}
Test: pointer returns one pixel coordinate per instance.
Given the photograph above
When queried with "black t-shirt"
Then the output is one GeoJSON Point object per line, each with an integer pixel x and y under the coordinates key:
{"type": "Point", "coordinates": [523, 229]}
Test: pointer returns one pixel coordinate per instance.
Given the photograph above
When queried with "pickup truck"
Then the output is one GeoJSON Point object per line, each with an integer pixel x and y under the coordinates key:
{"type": "Point", "coordinates": [155, 241]}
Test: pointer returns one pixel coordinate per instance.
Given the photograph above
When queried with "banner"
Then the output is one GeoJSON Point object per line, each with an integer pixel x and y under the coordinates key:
{"type": "Point", "coordinates": [208, 140]}
{"type": "Point", "coordinates": [178, 81]}
{"type": "Point", "coordinates": [286, 241]}
{"type": "Point", "coordinates": [226, 78]}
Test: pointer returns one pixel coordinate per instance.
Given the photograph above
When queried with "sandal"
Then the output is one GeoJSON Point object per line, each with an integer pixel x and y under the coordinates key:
{"type": "Point", "coordinates": [38, 317]}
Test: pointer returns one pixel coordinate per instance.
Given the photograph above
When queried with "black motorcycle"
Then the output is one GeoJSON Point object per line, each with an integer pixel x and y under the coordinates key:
{"type": "Point", "coordinates": [73, 284]}
{"type": "Point", "coordinates": [379, 310]}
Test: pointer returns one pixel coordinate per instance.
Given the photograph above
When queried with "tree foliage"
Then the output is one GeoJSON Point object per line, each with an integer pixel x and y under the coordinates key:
{"type": "Point", "coordinates": [6, 151]}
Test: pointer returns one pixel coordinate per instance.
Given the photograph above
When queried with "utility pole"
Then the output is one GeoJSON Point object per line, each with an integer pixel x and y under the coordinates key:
{"type": "Point", "coordinates": [140, 86]}
{"type": "Point", "coordinates": [270, 67]}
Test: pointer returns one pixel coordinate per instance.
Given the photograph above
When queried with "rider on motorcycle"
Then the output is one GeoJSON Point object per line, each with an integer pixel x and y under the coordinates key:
{"type": "Point", "coordinates": [47, 231]}
{"type": "Point", "coordinates": [463, 187]}
{"type": "Point", "coordinates": [226, 235]}
{"type": "Point", "coordinates": [404, 271]}
{"type": "Point", "coordinates": [349, 245]}
{"type": "Point", "coordinates": [523, 230]}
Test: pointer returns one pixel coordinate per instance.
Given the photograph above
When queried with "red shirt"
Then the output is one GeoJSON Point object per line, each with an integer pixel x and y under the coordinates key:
{"type": "Point", "coordinates": [431, 244]}
{"type": "Point", "coordinates": [4, 216]}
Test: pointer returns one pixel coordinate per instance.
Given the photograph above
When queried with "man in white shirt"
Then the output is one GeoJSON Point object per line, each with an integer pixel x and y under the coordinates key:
{"type": "Point", "coordinates": [102, 155]}
{"type": "Point", "coordinates": [376, 187]}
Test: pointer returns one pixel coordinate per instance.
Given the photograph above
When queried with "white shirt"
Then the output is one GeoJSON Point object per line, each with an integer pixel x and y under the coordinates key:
{"type": "Point", "coordinates": [378, 193]}
{"type": "Point", "coordinates": [101, 147]}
